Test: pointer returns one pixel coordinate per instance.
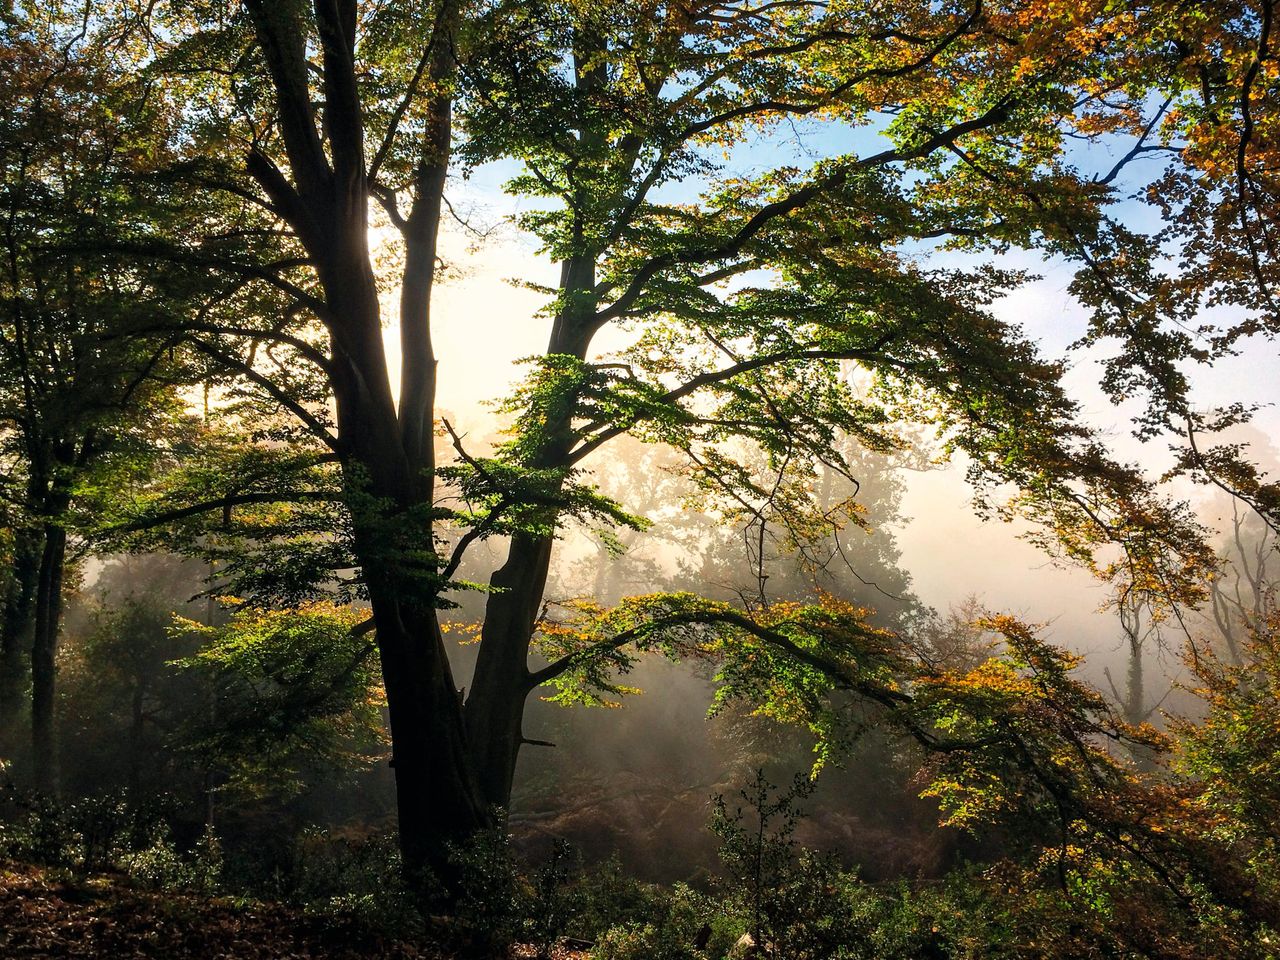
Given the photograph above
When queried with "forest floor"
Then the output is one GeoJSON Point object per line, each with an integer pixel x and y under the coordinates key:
{"type": "Point", "coordinates": [51, 913]}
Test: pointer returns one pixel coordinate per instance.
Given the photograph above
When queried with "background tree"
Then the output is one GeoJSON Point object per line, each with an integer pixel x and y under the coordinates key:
{"type": "Point", "coordinates": [1141, 635]}
{"type": "Point", "coordinates": [80, 403]}
{"type": "Point", "coordinates": [1243, 594]}
{"type": "Point", "coordinates": [289, 688]}
{"type": "Point", "coordinates": [118, 703]}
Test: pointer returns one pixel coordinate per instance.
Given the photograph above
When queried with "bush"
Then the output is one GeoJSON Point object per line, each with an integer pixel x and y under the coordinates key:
{"type": "Point", "coordinates": [554, 897]}
{"type": "Point", "coordinates": [354, 878]}
{"type": "Point", "coordinates": [161, 866]}
{"type": "Point", "coordinates": [683, 927]}
{"type": "Point", "coordinates": [491, 903]}
{"type": "Point", "coordinates": [36, 830]}
{"type": "Point", "coordinates": [606, 897]}
{"type": "Point", "coordinates": [106, 831]}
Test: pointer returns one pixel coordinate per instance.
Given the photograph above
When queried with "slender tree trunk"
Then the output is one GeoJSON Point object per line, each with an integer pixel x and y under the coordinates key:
{"type": "Point", "coordinates": [15, 629]}
{"type": "Point", "coordinates": [1135, 693]}
{"type": "Point", "coordinates": [500, 683]}
{"type": "Point", "coordinates": [44, 650]}
{"type": "Point", "coordinates": [1135, 703]}
{"type": "Point", "coordinates": [137, 725]}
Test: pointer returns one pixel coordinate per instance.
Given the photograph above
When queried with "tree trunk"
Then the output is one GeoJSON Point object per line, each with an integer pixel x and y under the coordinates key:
{"type": "Point", "coordinates": [438, 801]}
{"type": "Point", "coordinates": [44, 650]}
{"type": "Point", "coordinates": [15, 629]}
{"type": "Point", "coordinates": [137, 726]}
{"type": "Point", "coordinates": [500, 684]}
{"type": "Point", "coordinates": [1135, 693]}
{"type": "Point", "coordinates": [1135, 705]}
{"type": "Point", "coordinates": [386, 454]}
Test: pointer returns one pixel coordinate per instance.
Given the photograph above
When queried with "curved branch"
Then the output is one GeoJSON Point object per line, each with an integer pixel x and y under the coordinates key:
{"type": "Point", "coordinates": [309, 420]}
{"type": "Point", "coordinates": [224, 504]}
{"type": "Point", "coordinates": [719, 376]}
{"type": "Point", "coordinates": [770, 212]}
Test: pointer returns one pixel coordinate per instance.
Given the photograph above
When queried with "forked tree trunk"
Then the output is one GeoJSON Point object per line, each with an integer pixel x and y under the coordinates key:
{"type": "Point", "coordinates": [448, 771]}
{"type": "Point", "coordinates": [439, 802]}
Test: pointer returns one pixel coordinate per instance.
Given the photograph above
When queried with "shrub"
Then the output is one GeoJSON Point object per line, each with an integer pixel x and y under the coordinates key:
{"type": "Point", "coordinates": [354, 878]}
{"type": "Point", "coordinates": [490, 905]}
{"type": "Point", "coordinates": [161, 866]}
{"type": "Point", "coordinates": [681, 928]}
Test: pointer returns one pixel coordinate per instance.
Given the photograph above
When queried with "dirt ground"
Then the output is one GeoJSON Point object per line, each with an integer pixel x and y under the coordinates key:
{"type": "Point", "coordinates": [52, 914]}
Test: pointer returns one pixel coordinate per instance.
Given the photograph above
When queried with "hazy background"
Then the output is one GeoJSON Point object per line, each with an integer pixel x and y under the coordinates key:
{"type": "Point", "coordinates": [637, 781]}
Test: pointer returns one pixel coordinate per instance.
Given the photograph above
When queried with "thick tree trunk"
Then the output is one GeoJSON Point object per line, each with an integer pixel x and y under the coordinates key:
{"type": "Point", "coordinates": [438, 801]}
{"type": "Point", "coordinates": [44, 651]}
{"type": "Point", "coordinates": [386, 453]}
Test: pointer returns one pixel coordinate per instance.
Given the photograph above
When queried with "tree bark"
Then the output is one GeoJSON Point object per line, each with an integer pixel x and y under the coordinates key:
{"type": "Point", "coordinates": [1135, 694]}
{"type": "Point", "coordinates": [137, 726]}
{"type": "Point", "coordinates": [386, 453]}
{"type": "Point", "coordinates": [44, 651]}
{"type": "Point", "coordinates": [438, 801]}
{"type": "Point", "coordinates": [500, 683]}
{"type": "Point", "coordinates": [437, 797]}
{"type": "Point", "coordinates": [15, 630]}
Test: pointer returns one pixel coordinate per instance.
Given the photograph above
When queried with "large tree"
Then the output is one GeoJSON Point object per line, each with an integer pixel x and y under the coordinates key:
{"type": "Point", "coordinates": [744, 300]}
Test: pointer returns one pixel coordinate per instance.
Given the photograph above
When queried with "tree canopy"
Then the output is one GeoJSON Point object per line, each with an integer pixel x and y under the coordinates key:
{"type": "Point", "coordinates": [251, 186]}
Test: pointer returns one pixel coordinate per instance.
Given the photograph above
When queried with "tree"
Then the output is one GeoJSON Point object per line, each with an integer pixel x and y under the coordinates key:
{"type": "Point", "coordinates": [119, 702]}
{"type": "Point", "coordinates": [288, 689]}
{"type": "Point", "coordinates": [1230, 754]}
{"type": "Point", "coordinates": [746, 303]}
{"type": "Point", "coordinates": [1201, 103]}
{"type": "Point", "coordinates": [1142, 633]}
{"type": "Point", "coordinates": [80, 402]}
{"type": "Point", "coordinates": [1243, 594]}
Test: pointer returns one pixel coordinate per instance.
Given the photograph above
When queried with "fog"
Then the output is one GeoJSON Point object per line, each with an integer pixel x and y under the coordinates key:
{"type": "Point", "coordinates": [635, 780]}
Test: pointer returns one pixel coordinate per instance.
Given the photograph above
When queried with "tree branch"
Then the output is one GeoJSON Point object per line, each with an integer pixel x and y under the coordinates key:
{"type": "Point", "coordinates": [789, 204]}
{"type": "Point", "coordinates": [224, 504]}
{"type": "Point", "coordinates": [719, 376]}
{"type": "Point", "coordinates": [277, 393]}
